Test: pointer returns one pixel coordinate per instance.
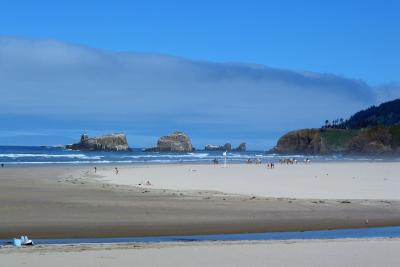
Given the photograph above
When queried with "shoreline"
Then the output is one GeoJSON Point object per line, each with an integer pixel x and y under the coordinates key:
{"type": "Point", "coordinates": [321, 252]}
{"type": "Point", "coordinates": [332, 234]}
{"type": "Point", "coordinates": [80, 247]}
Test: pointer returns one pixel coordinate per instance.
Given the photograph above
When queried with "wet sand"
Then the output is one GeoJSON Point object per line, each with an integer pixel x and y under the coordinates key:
{"type": "Point", "coordinates": [73, 201]}
{"type": "Point", "coordinates": [341, 252]}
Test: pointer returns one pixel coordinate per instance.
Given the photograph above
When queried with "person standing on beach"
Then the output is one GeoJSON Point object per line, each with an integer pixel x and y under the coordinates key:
{"type": "Point", "coordinates": [95, 169]}
{"type": "Point", "coordinates": [116, 171]}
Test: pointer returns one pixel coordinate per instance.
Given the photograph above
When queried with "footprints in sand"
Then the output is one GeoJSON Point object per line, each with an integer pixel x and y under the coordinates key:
{"type": "Point", "coordinates": [319, 202]}
{"type": "Point", "coordinates": [72, 180]}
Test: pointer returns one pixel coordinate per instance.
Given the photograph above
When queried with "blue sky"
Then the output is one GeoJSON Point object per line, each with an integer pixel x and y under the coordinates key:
{"type": "Point", "coordinates": [208, 59]}
{"type": "Point", "coordinates": [357, 39]}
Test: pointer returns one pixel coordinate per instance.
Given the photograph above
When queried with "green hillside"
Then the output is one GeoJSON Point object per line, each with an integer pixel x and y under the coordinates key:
{"type": "Point", "coordinates": [386, 114]}
{"type": "Point", "coordinates": [375, 130]}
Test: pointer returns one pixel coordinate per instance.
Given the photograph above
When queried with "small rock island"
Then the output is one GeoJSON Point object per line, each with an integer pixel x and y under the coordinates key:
{"type": "Point", "coordinates": [110, 142]}
{"type": "Point", "coordinates": [226, 147]}
{"type": "Point", "coordinates": [174, 142]}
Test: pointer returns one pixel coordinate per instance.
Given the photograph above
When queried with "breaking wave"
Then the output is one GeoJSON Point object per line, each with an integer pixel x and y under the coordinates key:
{"type": "Point", "coordinates": [58, 155]}
{"type": "Point", "coordinates": [47, 156]}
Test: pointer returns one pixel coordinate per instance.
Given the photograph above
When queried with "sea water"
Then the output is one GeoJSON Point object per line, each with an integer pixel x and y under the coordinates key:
{"type": "Point", "coordinates": [34, 155]}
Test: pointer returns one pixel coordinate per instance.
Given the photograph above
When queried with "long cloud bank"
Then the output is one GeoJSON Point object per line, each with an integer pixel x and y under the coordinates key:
{"type": "Point", "coordinates": [64, 86]}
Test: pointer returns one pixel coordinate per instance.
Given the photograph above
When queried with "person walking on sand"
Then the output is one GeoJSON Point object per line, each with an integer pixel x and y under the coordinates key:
{"type": "Point", "coordinates": [116, 171]}
{"type": "Point", "coordinates": [95, 169]}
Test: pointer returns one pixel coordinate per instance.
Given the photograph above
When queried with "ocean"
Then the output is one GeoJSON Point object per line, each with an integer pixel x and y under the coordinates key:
{"type": "Point", "coordinates": [34, 155]}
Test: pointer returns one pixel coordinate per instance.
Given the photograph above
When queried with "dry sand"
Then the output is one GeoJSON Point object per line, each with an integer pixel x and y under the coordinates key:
{"type": "Point", "coordinates": [344, 180]}
{"type": "Point", "coordinates": [350, 252]}
{"type": "Point", "coordinates": [72, 201]}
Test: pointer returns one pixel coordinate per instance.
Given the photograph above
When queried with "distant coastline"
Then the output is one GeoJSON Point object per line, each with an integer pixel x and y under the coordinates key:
{"type": "Point", "coordinates": [374, 131]}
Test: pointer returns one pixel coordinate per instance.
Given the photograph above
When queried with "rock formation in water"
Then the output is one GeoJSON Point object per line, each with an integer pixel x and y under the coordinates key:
{"type": "Point", "coordinates": [226, 147]}
{"type": "Point", "coordinates": [241, 147]}
{"type": "Point", "coordinates": [111, 142]}
{"type": "Point", "coordinates": [175, 142]}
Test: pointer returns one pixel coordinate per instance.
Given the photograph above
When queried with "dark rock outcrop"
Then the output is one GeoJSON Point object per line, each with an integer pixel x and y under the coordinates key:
{"type": "Point", "coordinates": [241, 147]}
{"type": "Point", "coordinates": [226, 147]}
{"type": "Point", "coordinates": [370, 141]}
{"type": "Point", "coordinates": [377, 140]}
{"type": "Point", "coordinates": [175, 142]}
{"type": "Point", "coordinates": [111, 142]}
{"type": "Point", "coordinates": [305, 141]}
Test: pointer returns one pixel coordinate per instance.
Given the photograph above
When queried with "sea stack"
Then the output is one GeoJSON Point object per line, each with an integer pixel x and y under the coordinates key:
{"type": "Point", "coordinates": [226, 147]}
{"type": "Point", "coordinates": [174, 142]}
{"type": "Point", "coordinates": [110, 142]}
{"type": "Point", "coordinates": [241, 147]}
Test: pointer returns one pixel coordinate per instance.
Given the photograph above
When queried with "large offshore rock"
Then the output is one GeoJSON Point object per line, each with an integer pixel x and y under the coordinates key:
{"type": "Point", "coordinates": [175, 142]}
{"type": "Point", "coordinates": [305, 141]}
{"type": "Point", "coordinates": [110, 142]}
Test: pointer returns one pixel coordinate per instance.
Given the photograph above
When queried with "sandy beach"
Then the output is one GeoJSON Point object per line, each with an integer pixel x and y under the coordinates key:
{"type": "Point", "coordinates": [343, 180]}
{"type": "Point", "coordinates": [341, 252]}
{"type": "Point", "coordinates": [73, 201]}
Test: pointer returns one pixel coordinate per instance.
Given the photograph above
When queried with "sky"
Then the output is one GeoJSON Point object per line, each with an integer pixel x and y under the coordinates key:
{"type": "Point", "coordinates": [222, 71]}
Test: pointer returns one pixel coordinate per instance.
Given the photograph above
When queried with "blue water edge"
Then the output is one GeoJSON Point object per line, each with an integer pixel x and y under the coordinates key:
{"type": "Point", "coordinates": [372, 232]}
